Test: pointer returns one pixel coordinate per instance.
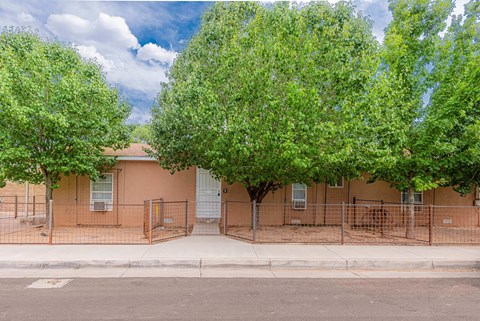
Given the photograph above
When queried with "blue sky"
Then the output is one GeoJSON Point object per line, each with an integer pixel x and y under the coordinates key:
{"type": "Point", "coordinates": [135, 41]}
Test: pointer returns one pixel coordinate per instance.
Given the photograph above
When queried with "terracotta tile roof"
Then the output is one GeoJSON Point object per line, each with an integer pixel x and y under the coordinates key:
{"type": "Point", "coordinates": [133, 150]}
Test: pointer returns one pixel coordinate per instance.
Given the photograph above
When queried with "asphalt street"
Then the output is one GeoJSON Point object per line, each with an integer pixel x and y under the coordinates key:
{"type": "Point", "coordinates": [240, 299]}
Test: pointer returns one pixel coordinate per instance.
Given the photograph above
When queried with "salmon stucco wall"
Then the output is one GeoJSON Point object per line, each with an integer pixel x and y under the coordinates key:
{"type": "Point", "coordinates": [137, 181]}
{"type": "Point", "coordinates": [133, 183]}
{"type": "Point", "coordinates": [276, 208]}
{"type": "Point", "coordinates": [12, 189]}
{"type": "Point", "coordinates": [16, 192]}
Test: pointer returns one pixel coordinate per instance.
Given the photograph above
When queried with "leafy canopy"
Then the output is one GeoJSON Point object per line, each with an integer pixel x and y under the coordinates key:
{"type": "Point", "coordinates": [262, 95]}
{"type": "Point", "coordinates": [57, 111]}
{"type": "Point", "coordinates": [141, 133]}
{"type": "Point", "coordinates": [400, 146]}
{"type": "Point", "coordinates": [454, 113]}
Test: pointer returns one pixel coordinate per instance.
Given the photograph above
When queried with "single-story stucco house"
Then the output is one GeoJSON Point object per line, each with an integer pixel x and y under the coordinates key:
{"type": "Point", "coordinates": [118, 198]}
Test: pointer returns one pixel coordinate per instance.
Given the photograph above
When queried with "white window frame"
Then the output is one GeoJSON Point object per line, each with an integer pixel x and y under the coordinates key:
{"type": "Point", "coordinates": [109, 202]}
{"type": "Point", "coordinates": [340, 178]}
{"type": "Point", "coordinates": [299, 203]}
{"type": "Point", "coordinates": [404, 196]}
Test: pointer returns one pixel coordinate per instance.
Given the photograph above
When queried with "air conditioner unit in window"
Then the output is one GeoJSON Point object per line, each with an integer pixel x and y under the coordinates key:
{"type": "Point", "coordinates": [99, 206]}
{"type": "Point", "coordinates": [299, 205]}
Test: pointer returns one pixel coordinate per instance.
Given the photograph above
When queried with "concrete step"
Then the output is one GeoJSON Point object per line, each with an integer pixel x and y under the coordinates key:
{"type": "Point", "coordinates": [206, 229]}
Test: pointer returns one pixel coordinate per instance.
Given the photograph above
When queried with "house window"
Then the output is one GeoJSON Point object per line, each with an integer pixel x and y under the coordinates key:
{"type": "Point", "coordinates": [299, 196]}
{"type": "Point", "coordinates": [338, 183]}
{"type": "Point", "coordinates": [101, 193]}
{"type": "Point", "coordinates": [418, 196]}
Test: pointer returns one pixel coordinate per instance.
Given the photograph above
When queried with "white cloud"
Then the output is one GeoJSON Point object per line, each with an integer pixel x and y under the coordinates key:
{"type": "Point", "coordinates": [114, 30]}
{"type": "Point", "coordinates": [69, 25]}
{"type": "Point", "coordinates": [105, 31]}
{"type": "Point", "coordinates": [134, 74]}
{"type": "Point", "coordinates": [154, 52]}
{"type": "Point", "coordinates": [108, 39]}
{"type": "Point", "coordinates": [90, 52]}
{"type": "Point", "coordinates": [25, 18]}
{"type": "Point", "coordinates": [139, 116]}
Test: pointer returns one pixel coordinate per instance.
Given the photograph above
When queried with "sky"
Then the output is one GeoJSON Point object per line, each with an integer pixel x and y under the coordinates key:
{"type": "Point", "coordinates": [136, 42]}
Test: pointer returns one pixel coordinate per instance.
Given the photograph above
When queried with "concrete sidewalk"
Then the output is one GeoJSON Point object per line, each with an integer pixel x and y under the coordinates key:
{"type": "Point", "coordinates": [219, 252]}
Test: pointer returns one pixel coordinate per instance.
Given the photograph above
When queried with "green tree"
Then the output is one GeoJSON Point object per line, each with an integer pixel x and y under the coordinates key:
{"type": "Point", "coordinates": [57, 111]}
{"type": "Point", "coordinates": [454, 114]}
{"type": "Point", "coordinates": [141, 133]}
{"type": "Point", "coordinates": [399, 147]}
{"type": "Point", "coordinates": [263, 95]}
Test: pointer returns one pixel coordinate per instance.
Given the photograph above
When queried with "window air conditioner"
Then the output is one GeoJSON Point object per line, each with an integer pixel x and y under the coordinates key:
{"type": "Point", "coordinates": [99, 206]}
{"type": "Point", "coordinates": [299, 205]}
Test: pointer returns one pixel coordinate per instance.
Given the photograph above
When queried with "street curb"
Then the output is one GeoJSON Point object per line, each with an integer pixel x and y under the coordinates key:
{"type": "Point", "coordinates": [261, 263]}
{"type": "Point", "coordinates": [21, 265]}
{"type": "Point", "coordinates": [85, 264]}
{"type": "Point", "coordinates": [325, 264]}
{"type": "Point", "coordinates": [456, 265]}
{"type": "Point", "coordinates": [235, 264]}
{"type": "Point", "coordinates": [387, 265]}
{"type": "Point", "coordinates": [166, 263]}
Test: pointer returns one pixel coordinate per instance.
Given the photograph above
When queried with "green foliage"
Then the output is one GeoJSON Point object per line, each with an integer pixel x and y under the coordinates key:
{"type": "Point", "coordinates": [57, 112]}
{"type": "Point", "coordinates": [3, 181]}
{"type": "Point", "coordinates": [263, 95]}
{"type": "Point", "coordinates": [141, 133]}
{"type": "Point", "coordinates": [454, 114]}
{"type": "Point", "coordinates": [399, 145]}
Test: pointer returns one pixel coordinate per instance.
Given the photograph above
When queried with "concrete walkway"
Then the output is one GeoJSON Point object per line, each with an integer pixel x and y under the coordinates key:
{"type": "Point", "coordinates": [219, 252]}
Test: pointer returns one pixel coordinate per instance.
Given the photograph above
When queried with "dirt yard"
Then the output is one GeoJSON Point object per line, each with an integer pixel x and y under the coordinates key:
{"type": "Point", "coordinates": [333, 234]}
{"type": "Point", "coordinates": [14, 232]}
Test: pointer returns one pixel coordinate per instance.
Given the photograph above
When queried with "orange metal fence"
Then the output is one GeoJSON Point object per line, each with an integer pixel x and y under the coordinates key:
{"type": "Point", "coordinates": [156, 220]}
{"type": "Point", "coordinates": [20, 206]}
{"type": "Point", "coordinates": [22, 222]}
{"type": "Point", "coordinates": [353, 224]}
{"type": "Point", "coordinates": [165, 220]}
{"type": "Point", "coordinates": [83, 224]}
{"type": "Point", "coordinates": [153, 221]}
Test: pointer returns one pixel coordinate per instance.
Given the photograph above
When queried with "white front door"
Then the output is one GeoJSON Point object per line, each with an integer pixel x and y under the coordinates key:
{"type": "Point", "coordinates": [209, 195]}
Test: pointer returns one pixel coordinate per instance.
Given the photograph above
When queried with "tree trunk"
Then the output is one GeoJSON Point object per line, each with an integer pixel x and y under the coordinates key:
{"type": "Point", "coordinates": [257, 211]}
{"type": "Point", "coordinates": [258, 202]}
{"type": "Point", "coordinates": [48, 194]}
{"type": "Point", "coordinates": [410, 231]}
{"type": "Point", "coordinates": [258, 193]}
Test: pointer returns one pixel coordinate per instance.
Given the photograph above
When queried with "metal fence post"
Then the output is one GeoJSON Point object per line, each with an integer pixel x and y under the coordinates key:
{"type": "Point", "coordinates": [27, 190]}
{"type": "Point", "coordinates": [162, 214]}
{"type": "Point", "coordinates": [354, 213]}
{"type": "Point", "coordinates": [50, 222]}
{"type": "Point", "coordinates": [343, 223]}
{"type": "Point", "coordinates": [225, 207]}
{"type": "Point", "coordinates": [254, 223]}
{"type": "Point", "coordinates": [33, 209]}
{"type": "Point", "coordinates": [382, 219]}
{"type": "Point", "coordinates": [187, 205]}
{"type": "Point", "coordinates": [430, 226]}
{"type": "Point", "coordinates": [16, 206]}
{"type": "Point", "coordinates": [150, 221]}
